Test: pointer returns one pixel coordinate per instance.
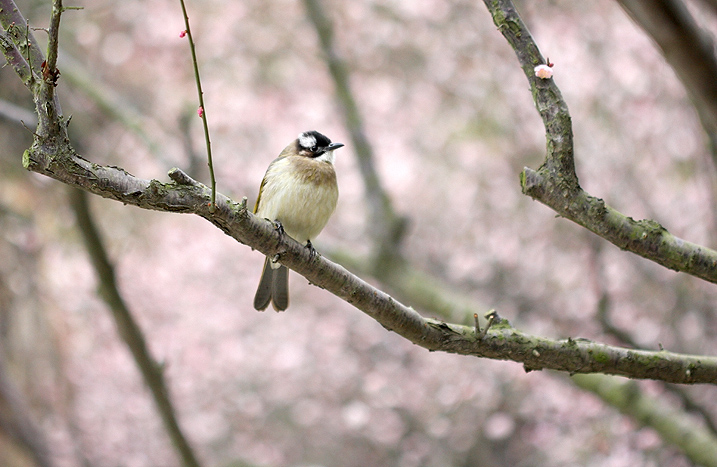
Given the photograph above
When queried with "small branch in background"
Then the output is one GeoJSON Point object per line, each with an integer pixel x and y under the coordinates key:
{"type": "Point", "coordinates": [114, 105]}
{"type": "Point", "coordinates": [603, 314]}
{"type": "Point", "coordinates": [14, 113]}
{"type": "Point", "coordinates": [202, 110]}
{"type": "Point", "coordinates": [16, 420]}
{"type": "Point", "coordinates": [387, 228]}
{"type": "Point", "coordinates": [690, 52]}
{"type": "Point", "coordinates": [688, 49]}
{"type": "Point", "coordinates": [422, 289]}
{"type": "Point", "coordinates": [698, 444]}
{"type": "Point", "coordinates": [128, 328]}
{"type": "Point", "coordinates": [711, 4]}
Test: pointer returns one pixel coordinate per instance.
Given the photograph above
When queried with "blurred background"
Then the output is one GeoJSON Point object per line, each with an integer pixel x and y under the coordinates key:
{"type": "Point", "coordinates": [449, 116]}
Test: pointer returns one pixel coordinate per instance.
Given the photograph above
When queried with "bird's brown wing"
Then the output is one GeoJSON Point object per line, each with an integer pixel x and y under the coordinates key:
{"type": "Point", "coordinates": [258, 197]}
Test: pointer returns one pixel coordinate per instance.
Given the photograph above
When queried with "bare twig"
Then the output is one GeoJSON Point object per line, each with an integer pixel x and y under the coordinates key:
{"type": "Point", "coordinates": [54, 35]}
{"type": "Point", "coordinates": [202, 111]}
{"type": "Point", "coordinates": [491, 316]}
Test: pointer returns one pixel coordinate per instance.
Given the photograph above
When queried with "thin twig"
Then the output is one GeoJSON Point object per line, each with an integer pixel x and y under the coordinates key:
{"type": "Point", "coordinates": [54, 35]}
{"type": "Point", "coordinates": [491, 316]}
{"type": "Point", "coordinates": [202, 111]}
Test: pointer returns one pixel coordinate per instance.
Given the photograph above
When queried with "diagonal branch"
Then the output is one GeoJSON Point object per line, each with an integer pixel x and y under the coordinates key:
{"type": "Point", "coordinates": [555, 183]}
{"type": "Point", "coordinates": [128, 328]}
{"type": "Point", "coordinates": [16, 420]}
{"type": "Point", "coordinates": [52, 155]}
{"type": "Point", "coordinates": [501, 341]}
{"type": "Point", "coordinates": [19, 46]}
{"type": "Point", "coordinates": [697, 443]}
{"type": "Point", "coordinates": [14, 57]}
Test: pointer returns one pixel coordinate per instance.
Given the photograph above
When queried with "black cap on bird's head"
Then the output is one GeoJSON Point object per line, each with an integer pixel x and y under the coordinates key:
{"type": "Point", "coordinates": [314, 144]}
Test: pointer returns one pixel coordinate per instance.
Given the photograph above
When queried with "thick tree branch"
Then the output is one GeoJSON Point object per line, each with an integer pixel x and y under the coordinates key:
{"type": "Point", "coordinates": [500, 342]}
{"type": "Point", "coordinates": [439, 300]}
{"type": "Point", "coordinates": [53, 156]}
{"type": "Point", "coordinates": [555, 183]}
{"type": "Point", "coordinates": [186, 195]}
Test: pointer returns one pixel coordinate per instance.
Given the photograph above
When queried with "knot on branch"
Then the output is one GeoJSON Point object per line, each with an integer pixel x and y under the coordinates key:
{"type": "Point", "coordinates": [181, 177]}
{"type": "Point", "coordinates": [532, 183]}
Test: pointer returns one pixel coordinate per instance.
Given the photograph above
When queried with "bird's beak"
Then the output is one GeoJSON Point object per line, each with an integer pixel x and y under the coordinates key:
{"type": "Point", "coordinates": [331, 147]}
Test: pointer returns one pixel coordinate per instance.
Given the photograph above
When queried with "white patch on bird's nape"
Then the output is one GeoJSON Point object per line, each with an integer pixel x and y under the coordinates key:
{"type": "Point", "coordinates": [307, 141]}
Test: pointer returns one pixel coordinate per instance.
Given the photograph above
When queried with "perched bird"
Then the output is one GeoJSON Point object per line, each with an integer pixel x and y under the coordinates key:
{"type": "Point", "coordinates": [298, 193]}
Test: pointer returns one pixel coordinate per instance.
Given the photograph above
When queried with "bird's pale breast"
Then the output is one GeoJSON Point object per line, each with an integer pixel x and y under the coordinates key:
{"type": "Point", "coordinates": [301, 193]}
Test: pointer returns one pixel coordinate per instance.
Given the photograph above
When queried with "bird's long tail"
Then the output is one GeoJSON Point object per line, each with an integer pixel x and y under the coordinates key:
{"type": "Point", "coordinates": [273, 288]}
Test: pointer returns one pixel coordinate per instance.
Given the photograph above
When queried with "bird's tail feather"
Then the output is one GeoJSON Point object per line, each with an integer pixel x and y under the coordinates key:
{"type": "Point", "coordinates": [273, 288]}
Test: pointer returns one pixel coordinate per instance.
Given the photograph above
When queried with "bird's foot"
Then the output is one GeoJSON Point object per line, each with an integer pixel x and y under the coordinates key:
{"type": "Point", "coordinates": [278, 227]}
{"type": "Point", "coordinates": [312, 251]}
